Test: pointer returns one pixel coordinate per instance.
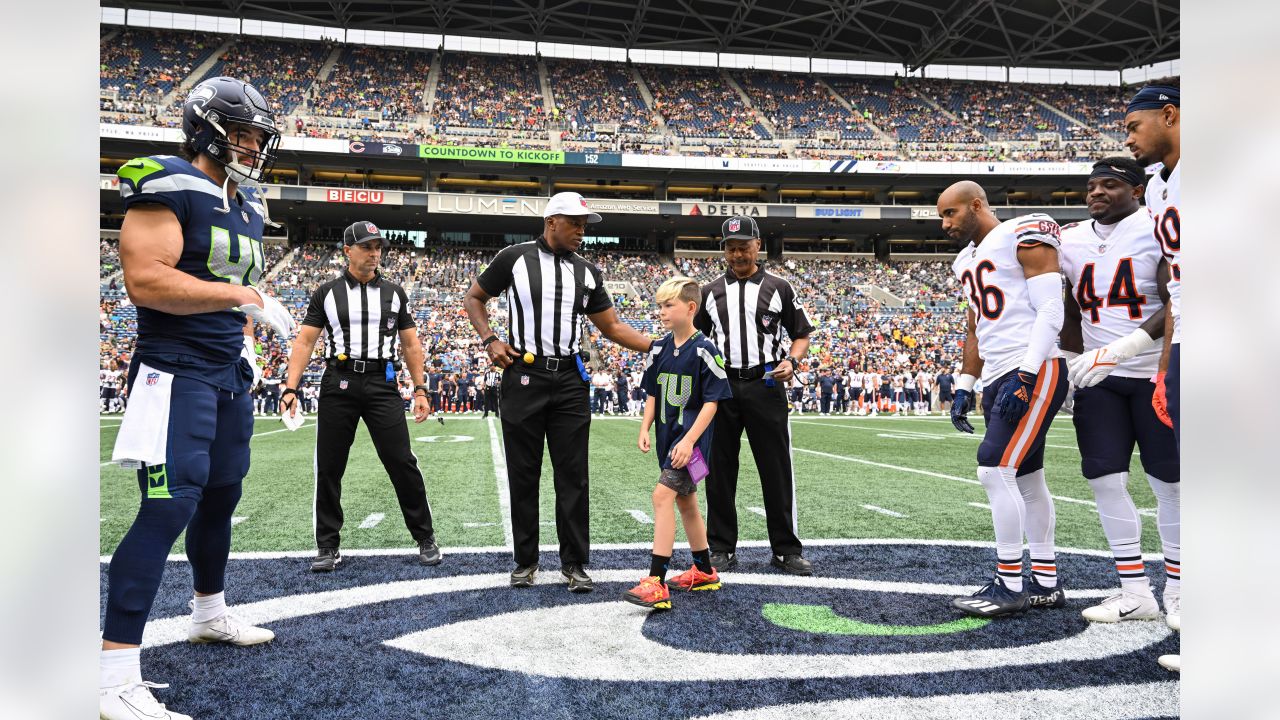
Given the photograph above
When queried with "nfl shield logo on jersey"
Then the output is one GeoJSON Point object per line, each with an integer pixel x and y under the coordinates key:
{"type": "Point", "coordinates": [245, 214]}
{"type": "Point", "coordinates": [766, 320]}
{"type": "Point", "coordinates": [735, 225]}
{"type": "Point", "coordinates": [153, 378]}
{"type": "Point", "coordinates": [342, 384]}
{"type": "Point", "coordinates": [524, 379]}
{"type": "Point", "coordinates": [391, 322]}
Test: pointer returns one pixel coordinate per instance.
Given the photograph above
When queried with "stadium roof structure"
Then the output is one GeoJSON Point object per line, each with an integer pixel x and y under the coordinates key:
{"type": "Point", "coordinates": [1092, 34]}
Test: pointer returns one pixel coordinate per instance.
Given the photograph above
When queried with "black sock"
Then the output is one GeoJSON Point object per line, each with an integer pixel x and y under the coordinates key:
{"type": "Point", "coordinates": [658, 566]}
{"type": "Point", "coordinates": [702, 559]}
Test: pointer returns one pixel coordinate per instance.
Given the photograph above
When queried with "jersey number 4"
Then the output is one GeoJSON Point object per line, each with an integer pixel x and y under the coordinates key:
{"type": "Point", "coordinates": [987, 299]}
{"type": "Point", "coordinates": [1124, 292]}
{"type": "Point", "coordinates": [249, 262]}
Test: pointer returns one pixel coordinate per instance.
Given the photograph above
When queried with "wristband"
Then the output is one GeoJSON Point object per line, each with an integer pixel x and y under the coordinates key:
{"type": "Point", "coordinates": [423, 388]}
{"type": "Point", "coordinates": [966, 382]}
{"type": "Point", "coordinates": [488, 340]}
{"type": "Point", "coordinates": [288, 391]}
{"type": "Point", "coordinates": [795, 362]}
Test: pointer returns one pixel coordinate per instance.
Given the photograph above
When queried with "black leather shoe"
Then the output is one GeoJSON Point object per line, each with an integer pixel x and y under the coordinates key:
{"type": "Point", "coordinates": [794, 564]}
{"type": "Point", "coordinates": [579, 581]}
{"type": "Point", "coordinates": [327, 560]}
{"type": "Point", "coordinates": [429, 552]}
{"type": "Point", "coordinates": [522, 576]}
{"type": "Point", "coordinates": [724, 561]}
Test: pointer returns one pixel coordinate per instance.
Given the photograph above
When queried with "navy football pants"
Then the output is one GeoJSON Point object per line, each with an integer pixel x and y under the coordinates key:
{"type": "Point", "coordinates": [1021, 445]}
{"type": "Point", "coordinates": [1114, 414]}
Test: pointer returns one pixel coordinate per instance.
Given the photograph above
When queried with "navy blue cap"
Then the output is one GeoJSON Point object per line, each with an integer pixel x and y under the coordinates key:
{"type": "Point", "coordinates": [1154, 97]}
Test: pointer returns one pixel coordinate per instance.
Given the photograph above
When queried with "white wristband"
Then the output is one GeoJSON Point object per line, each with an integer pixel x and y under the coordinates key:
{"type": "Point", "coordinates": [1131, 345]}
{"type": "Point", "coordinates": [966, 382]}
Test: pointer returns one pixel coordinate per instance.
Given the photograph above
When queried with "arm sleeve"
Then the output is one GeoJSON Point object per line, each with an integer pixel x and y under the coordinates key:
{"type": "Point", "coordinates": [1045, 293]}
{"type": "Point", "coordinates": [404, 320]}
{"type": "Point", "coordinates": [794, 318]}
{"type": "Point", "coordinates": [497, 277]}
{"type": "Point", "coordinates": [598, 299]}
{"type": "Point", "coordinates": [315, 310]}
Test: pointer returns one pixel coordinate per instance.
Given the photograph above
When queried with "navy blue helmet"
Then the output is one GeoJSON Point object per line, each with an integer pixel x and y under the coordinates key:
{"type": "Point", "coordinates": [208, 110]}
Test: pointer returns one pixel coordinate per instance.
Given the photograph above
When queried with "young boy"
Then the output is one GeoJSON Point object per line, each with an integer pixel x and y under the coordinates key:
{"type": "Point", "coordinates": [684, 373]}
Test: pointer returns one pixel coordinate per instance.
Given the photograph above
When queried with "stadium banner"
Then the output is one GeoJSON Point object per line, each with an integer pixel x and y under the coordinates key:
{"type": "Point", "coordinates": [462, 204]}
{"type": "Point", "coordinates": [584, 158]}
{"type": "Point", "coordinates": [376, 148]}
{"type": "Point", "coordinates": [139, 132]}
{"type": "Point", "coordinates": [842, 212]}
{"type": "Point", "coordinates": [466, 152]}
{"type": "Point", "coordinates": [355, 195]}
{"type": "Point", "coordinates": [694, 209]}
{"type": "Point", "coordinates": [316, 145]}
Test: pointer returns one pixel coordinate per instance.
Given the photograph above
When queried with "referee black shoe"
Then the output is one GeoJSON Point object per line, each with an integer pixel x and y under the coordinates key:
{"type": "Point", "coordinates": [579, 581]}
{"type": "Point", "coordinates": [429, 552]}
{"type": "Point", "coordinates": [522, 576]}
{"type": "Point", "coordinates": [327, 560]}
{"type": "Point", "coordinates": [793, 564]}
{"type": "Point", "coordinates": [724, 561]}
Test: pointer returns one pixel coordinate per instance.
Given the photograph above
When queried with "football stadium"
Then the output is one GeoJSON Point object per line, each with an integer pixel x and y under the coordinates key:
{"type": "Point", "coordinates": [449, 131]}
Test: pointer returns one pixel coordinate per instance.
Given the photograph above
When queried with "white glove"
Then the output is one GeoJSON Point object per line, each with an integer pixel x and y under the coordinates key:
{"type": "Point", "coordinates": [272, 313]}
{"type": "Point", "coordinates": [1092, 367]}
{"type": "Point", "coordinates": [250, 353]}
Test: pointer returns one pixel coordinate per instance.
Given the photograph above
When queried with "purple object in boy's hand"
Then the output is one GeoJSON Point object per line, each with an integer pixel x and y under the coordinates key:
{"type": "Point", "coordinates": [697, 466]}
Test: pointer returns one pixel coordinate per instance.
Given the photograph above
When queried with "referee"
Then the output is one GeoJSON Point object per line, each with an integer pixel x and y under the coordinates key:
{"type": "Point", "coordinates": [362, 314]}
{"type": "Point", "coordinates": [492, 377]}
{"type": "Point", "coordinates": [544, 387]}
{"type": "Point", "coordinates": [744, 312]}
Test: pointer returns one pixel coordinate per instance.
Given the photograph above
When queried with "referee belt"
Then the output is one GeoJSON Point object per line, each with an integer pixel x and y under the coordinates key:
{"type": "Point", "coordinates": [360, 366]}
{"type": "Point", "coordinates": [755, 372]}
{"type": "Point", "coordinates": [554, 363]}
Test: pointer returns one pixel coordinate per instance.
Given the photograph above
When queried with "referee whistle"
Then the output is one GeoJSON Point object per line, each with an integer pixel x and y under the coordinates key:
{"type": "Point", "coordinates": [342, 357]}
{"type": "Point", "coordinates": [528, 358]}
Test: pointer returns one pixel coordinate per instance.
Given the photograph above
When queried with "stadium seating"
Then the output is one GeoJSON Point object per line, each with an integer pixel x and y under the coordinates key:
{"type": "Point", "coordinates": [697, 102]}
{"type": "Point", "coordinates": [798, 105]}
{"type": "Point", "coordinates": [283, 70]}
{"type": "Point", "coordinates": [368, 79]}
{"type": "Point", "coordinates": [489, 91]}
{"type": "Point", "coordinates": [587, 93]}
{"type": "Point", "coordinates": [146, 64]}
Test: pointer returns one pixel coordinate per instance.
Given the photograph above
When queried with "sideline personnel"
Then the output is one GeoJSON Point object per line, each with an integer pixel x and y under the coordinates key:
{"type": "Point", "coordinates": [548, 287]}
{"type": "Point", "coordinates": [744, 312]}
{"type": "Point", "coordinates": [362, 314]}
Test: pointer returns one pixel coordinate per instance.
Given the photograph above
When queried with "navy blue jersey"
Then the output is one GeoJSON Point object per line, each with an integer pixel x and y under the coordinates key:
{"type": "Point", "coordinates": [681, 379]}
{"type": "Point", "coordinates": [217, 246]}
{"type": "Point", "coordinates": [945, 381]}
{"type": "Point", "coordinates": [827, 384]}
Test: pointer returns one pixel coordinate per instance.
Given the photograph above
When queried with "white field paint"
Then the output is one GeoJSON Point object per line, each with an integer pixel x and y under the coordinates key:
{"type": "Point", "coordinates": [641, 516]}
{"type": "Point", "coordinates": [883, 511]}
{"type": "Point", "coordinates": [500, 476]}
{"type": "Point", "coordinates": [237, 519]}
{"type": "Point", "coordinates": [758, 510]}
{"type": "Point", "coordinates": [372, 521]}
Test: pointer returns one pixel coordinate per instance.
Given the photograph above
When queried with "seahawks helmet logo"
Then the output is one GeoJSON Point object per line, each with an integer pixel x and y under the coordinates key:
{"type": "Point", "coordinates": [202, 94]}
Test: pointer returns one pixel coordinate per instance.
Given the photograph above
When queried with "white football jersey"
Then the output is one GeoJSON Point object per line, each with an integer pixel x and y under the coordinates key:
{"type": "Point", "coordinates": [1113, 279]}
{"type": "Point", "coordinates": [997, 288]}
{"type": "Point", "coordinates": [1162, 202]}
{"type": "Point", "coordinates": [910, 382]}
{"type": "Point", "coordinates": [855, 381]}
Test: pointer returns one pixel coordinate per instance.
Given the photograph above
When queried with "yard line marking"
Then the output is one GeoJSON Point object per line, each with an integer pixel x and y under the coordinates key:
{"type": "Point", "coordinates": [500, 475]}
{"type": "Point", "coordinates": [372, 521]}
{"type": "Point", "coordinates": [883, 511]}
{"type": "Point", "coordinates": [236, 520]}
{"type": "Point", "coordinates": [984, 506]}
{"type": "Point", "coordinates": [266, 432]}
{"type": "Point", "coordinates": [478, 524]}
{"type": "Point", "coordinates": [888, 432]}
{"type": "Point", "coordinates": [640, 516]}
{"type": "Point", "coordinates": [759, 511]}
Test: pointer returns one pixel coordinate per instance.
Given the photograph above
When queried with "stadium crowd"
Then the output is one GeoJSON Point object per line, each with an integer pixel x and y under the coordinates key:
{"type": "Point", "coordinates": [488, 91]}
{"type": "Point", "coordinates": [373, 79]}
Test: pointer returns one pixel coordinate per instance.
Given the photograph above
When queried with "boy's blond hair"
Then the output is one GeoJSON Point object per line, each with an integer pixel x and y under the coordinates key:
{"type": "Point", "coordinates": [685, 288]}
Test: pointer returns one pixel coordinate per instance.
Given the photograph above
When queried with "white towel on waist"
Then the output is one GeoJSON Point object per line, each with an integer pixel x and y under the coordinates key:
{"type": "Point", "coordinates": [144, 434]}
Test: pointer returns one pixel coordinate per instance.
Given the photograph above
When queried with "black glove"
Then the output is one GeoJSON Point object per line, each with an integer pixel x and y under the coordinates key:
{"type": "Point", "coordinates": [960, 408]}
{"type": "Point", "coordinates": [1014, 396]}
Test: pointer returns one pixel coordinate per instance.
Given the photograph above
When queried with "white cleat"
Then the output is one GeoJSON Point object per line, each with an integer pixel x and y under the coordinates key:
{"type": "Point", "coordinates": [1172, 663]}
{"type": "Point", "coordinates": [228, 629]}
{"type": "Point", "coordinates": [134, 701]}
{"type": "Point", "coordinates": [1173, 610]}
{"type": "Point", "coordinates": [1123, 606]}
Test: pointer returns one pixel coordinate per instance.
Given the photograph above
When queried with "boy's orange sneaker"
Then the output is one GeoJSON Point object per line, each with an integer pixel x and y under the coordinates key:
{"type": "Point", "coordinates": [650, 593]}
{"type": "Point", "coordinates": [695, 579]}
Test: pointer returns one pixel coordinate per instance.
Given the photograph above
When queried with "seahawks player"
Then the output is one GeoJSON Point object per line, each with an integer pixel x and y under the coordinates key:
{"type": "Point", "coordinates": [191, 247]}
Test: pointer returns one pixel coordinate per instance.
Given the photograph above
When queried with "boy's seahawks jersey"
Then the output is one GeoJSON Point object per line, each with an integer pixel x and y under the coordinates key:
{"type": "Point", "coordinates": [221, 242]}
{"type": "Point", "coordinates": [680, 380]}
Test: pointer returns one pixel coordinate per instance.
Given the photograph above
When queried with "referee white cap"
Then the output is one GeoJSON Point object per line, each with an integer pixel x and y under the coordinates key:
{"type": "Point", "coordinates": [569, 203]}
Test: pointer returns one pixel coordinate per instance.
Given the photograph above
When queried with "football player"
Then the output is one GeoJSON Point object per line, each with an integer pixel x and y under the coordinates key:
{"type": "Point", "coordinates": [1151, 122]}
{"type": "Point", "coordinates": [191, 248]}
{"type": "Point", "coordinates": [1117, 280]}
{"type": "Point", "coordinates": [1011, 273]}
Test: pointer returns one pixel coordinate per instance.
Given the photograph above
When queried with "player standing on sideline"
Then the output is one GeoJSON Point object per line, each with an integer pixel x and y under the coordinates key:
{"type": "Point", "coordinates": [1152, 125]}
{"type": "Point", "coordinates": [1117, 280]}
{"type": "Point", "coordinates": [686, 374]}
{"type": "Point", "coordinates": [188, 427]}
{"type": "Point", "coordinates": [1011, 272]}
{"type": "Point", "coordinates": [855, 393]}
{"type": "Point", "coordinates": [946, 381]}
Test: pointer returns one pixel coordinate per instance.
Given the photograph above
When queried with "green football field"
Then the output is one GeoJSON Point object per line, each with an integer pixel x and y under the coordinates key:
{"type": "Point", "coordinates": [879, 477]}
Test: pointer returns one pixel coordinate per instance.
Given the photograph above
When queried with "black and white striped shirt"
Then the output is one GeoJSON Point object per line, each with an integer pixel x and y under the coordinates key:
{"type": "Point", "coordinates": [361, 320]}
{"type": "Point", "coordinates": [745, 318]}
{"type": "Point", "coordinates": [547, 295]}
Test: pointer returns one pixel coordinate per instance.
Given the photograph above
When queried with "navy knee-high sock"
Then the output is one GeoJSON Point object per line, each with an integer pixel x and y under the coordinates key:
{"type": "Point", "coordinates": [138, 563]}
{"type": "Point", "coordinates": [209, 537]}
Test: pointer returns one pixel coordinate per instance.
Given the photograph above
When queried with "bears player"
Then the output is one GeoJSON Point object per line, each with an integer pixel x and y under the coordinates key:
{"type": "Point", "coordinates": [1010, 270]}
{"type": "Point", "coordinates": [191, 248]}
{"type": "Point", "coordinates": [1151, 124]}
{"type": "Point", "coordinates": [1116, 279]}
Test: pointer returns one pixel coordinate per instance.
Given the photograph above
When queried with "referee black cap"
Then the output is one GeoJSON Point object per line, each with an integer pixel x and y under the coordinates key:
{"type": "Point", "coordinates": [740, 227]}
{"type": "Point", "coordinates": [361, 231]}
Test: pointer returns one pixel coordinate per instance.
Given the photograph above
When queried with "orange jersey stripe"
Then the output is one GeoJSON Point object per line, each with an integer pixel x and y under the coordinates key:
{"type": "Point", "coordinates": [1008, 460]}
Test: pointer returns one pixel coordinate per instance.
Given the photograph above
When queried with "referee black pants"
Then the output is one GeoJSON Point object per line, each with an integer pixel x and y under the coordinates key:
{"type": "Point", "coordinates": [491, 402]}
{"type": "Point", "coordinates": [552, 408]}
{"type": "Point", "coordinates": [345, 398]}
{"type": "Point", "coordinates": [762, 412]}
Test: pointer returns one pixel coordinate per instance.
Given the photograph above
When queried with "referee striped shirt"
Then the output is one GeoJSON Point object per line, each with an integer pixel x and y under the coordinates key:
{"type": "Point", "coordinates": [360, 320]}
{"type": "Point", "coordinates": [745, 318]}
{"type": "Point", "coordinates": [547, 295]}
